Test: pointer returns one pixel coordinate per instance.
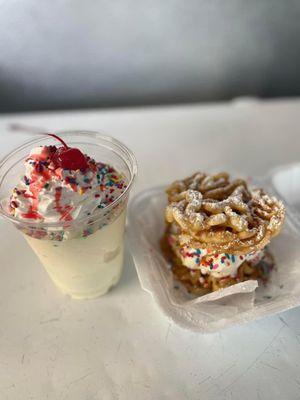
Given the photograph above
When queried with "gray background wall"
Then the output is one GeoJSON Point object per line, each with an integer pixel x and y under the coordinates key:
{"type": "Point", "coordinates": [82, 53]}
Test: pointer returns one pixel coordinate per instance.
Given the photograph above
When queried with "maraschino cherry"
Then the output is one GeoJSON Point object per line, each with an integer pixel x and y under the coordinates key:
{"type": "Point", "coordinates": [68, 157]}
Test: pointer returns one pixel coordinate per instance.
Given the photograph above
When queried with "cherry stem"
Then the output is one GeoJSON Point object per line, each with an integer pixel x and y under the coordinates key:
{"type": "Point", "coordinates": [59, 139]}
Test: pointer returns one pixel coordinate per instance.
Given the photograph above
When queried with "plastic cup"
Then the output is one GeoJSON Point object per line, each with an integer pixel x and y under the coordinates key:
{"type": "Point", "coordinates": [84, 257]}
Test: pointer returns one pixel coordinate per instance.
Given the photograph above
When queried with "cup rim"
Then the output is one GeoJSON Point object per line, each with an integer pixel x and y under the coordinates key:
{"type": "Point", "coordinates": [121, 147]}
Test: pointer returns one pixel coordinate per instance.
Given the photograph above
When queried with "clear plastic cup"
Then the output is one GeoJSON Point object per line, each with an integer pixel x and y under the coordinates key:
{"type": "Point", "coordinates": [84, 257]}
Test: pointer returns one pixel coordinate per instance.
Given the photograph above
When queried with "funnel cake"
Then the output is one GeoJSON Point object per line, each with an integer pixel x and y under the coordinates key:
{"type": "Point", "coordinates": [217, 231]}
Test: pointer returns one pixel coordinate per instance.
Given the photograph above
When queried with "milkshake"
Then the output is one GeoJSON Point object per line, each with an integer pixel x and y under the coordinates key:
{"type": "Point", "coordinates": [85, 267]}
{"type": "Point", "coordinates": [71, 208]}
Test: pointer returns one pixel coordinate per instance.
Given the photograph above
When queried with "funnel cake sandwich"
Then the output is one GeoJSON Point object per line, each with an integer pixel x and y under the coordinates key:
{"type": "Point", "coordinates": [217, 231]}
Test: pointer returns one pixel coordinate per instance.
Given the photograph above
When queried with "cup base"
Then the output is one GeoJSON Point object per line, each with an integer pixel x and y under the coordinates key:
{"type": "Point", "coordinates": [101, 291]}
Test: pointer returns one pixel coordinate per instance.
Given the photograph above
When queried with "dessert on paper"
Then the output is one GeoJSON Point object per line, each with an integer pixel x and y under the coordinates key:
{"type": "Point", "coordinates": [235, 304]}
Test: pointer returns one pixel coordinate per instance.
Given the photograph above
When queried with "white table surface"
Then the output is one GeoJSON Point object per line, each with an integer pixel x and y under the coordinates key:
{"type": "Point", "coordinates": [120, 346]}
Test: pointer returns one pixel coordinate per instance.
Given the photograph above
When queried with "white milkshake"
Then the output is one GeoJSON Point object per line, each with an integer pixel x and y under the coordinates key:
{"type": "Point", "coordinates": [84, 267]}
{"type": "Point", "coordinates": [72, 211]}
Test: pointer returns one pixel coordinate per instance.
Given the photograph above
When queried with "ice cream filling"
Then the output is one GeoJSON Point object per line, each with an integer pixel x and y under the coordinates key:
{"type": "Point", "coordinates": [218, 265]}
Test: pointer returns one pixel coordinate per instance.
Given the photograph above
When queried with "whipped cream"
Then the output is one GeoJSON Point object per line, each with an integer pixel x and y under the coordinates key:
{"type": "Point", "coordinates": [48, 194]}
{"type": "Point", "coordinates": [219, 265]}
